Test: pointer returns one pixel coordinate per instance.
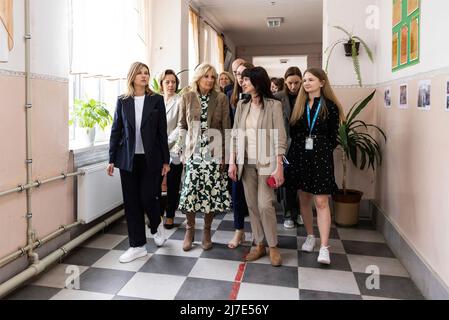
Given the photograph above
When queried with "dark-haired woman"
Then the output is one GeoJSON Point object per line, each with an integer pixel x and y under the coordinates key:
{"type": "Point", "coordinates": [258, 146]}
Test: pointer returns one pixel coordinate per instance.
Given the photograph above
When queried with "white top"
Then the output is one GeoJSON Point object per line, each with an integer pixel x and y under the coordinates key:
{"type": "Point", "coordinates": [138, 107]}
{"type": "Point", "coordinates": [172, 110]}
{"type": "Point", "coordinates": [251, 134]}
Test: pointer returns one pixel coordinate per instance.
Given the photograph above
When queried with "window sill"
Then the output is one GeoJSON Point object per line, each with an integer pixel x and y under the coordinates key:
{"type": "Point", "coordinates": [78, 147]}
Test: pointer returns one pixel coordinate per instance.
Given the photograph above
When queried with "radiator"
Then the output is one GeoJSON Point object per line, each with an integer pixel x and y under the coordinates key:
{"type": "Point", "coordinates": [98, 193]}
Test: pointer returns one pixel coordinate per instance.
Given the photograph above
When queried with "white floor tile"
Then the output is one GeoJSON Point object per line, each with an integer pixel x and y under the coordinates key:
{"type": "Point", "coordinates": [57, 276]}
{"type": "Point", "coordinates": [153, 286]}
{"type": "Point", "coordinates": [67, 294]}
{"type": "Point", "coordinates": [250, 291]}
{"type": "Point", "coordinates": [289, 258]}
{"type": "Point", "coordinates": [167, 233]}
{"type": "Point", "coordinates": [387, 266]}
{"type": "Point", "coordinates": [215, 269]}
{"type": "Point", "coordinates": [105, 241]}
{"type": "Point", "coordinates": [327, 280]}
{"type": "Point", "coordinates": [110, 261]}
{"type": "Point", "coordinates": [225, 236]}
{"type": "Point", "coordinates": [360, 235]}
{"type": "Point", "coordinates": [174, 248]}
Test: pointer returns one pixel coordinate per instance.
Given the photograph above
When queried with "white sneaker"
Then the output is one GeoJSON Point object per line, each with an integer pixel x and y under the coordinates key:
{"type": "Point", "coordinates": [299, 221]}
{"type": "Point", "coordinates": [324, 256]}
{"type": "Point", "coordinates": [289, 224]}
{"type": "Point", "coordinates": [159, 236]}
{"type": "Point", "coordinates": [132, 254]}
{"type": "Point", "coordinates": [309, 244]}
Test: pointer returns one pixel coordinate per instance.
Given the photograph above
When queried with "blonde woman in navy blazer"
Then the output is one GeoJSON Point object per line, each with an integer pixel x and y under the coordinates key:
{"type": "Point", "coordinates": [138, 147]}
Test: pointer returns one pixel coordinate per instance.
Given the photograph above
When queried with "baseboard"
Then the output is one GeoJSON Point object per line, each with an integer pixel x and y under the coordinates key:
{"type": "Point", "coordinates": [425, 278]}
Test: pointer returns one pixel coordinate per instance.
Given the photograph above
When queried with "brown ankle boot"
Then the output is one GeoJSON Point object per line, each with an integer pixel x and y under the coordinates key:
{"type": "Point", "coordinates": [190, 232]}
{"type": "Point", "coordinates": [207, 241]}
{"type": "Point", "coordinates": [256, 253]}
{"type": "Point", "coordinates": [275, 257]}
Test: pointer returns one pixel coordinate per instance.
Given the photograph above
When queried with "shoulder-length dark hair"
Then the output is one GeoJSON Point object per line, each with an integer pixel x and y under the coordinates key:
{"type": "Point", "coordinates": [292, 71]}
{"type": "Point", "coordinates": [261, 81]}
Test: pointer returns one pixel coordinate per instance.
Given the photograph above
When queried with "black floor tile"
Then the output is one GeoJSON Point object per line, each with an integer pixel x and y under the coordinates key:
{"type": "Point", "coordinates": [332, 235]}
{"type": "Point", "coordinates": [173, 265]}
{"type": "Point", "coordinates": [287, 242]}
{"type": "Point", "coordinates": [339, 262]}
{"type": "Point", "coordinates": [222, 252]}
{"type": "Point", "coordinates": [389, 287]}
{"type": "Point", "coordinates": [367, 249]}
{"type": "Point", "coordinates": [117, 228]}
{"type": "Point", "coordinates": [31, 292]}
{"type": "Point", "coordinates": [204, 289]}
{"type": "Point", "coordinates": [124, 245]}
{"type": "Point", "coordinates": [269, 275]}
{"type": "Point", "coordinates": [322, 295]}
{"type": "Point", "coordinates": [227, 225]}
{"type": "Point", "coordinates": [82, 256]}
{"type": "Point", "coordinates": [104, 280]}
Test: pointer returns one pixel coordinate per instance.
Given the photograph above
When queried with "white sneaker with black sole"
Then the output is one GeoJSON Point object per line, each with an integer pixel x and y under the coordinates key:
{"type": "Point", "coordinates": [289, 224]}
{"type": "Point", "coordinates": [324, 256]}
{"type": "Point", "coordinates": [133, 253]}
{"type": "Point", "coordinates": [159, 236]}
{"type": "Point", "coordinates": [299, 221]}
{"type": "Point", "coordinates": [309, 244]}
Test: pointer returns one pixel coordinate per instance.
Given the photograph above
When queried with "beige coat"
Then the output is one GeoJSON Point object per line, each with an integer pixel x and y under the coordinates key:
{"type": "Point", "coordinates": [190, 118]}
{"type": "Point", "coordinates": [271, 119]}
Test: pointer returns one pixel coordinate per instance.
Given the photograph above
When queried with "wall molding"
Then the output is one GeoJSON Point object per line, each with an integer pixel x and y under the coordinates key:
{"type": "Point", "coordinates": [37, 76]}
{"type": "Point", "coordinates": [422, 75]}
{"type": "Point", "coordinates": [422, 274]}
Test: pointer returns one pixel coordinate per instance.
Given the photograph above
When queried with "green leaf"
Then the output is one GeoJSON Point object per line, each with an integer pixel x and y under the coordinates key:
{"type": "Point", "coordinates": [361, 106]}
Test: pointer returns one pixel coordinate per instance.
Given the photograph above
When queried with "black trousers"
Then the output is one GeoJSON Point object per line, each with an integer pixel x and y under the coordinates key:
{"type": "Point", "coordinates": [169, 204]}
{"type": "Point", "coordinates": [141, 195]}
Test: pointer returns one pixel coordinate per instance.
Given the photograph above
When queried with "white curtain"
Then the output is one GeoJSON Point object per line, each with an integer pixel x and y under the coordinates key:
{"type": "Point", "coordinates": [106, 37]}
{"type": "Point", "coordinates": [194, 51]}
{"type": "Point", "coordinates": [211, 52]}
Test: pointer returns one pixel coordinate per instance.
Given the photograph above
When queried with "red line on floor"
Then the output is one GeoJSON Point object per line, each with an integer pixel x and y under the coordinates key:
{"type": "Point", "coordinates": [238, 280]}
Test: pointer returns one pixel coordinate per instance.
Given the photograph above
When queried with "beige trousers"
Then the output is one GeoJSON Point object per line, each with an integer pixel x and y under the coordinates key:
{"type": "Point", "coordinates": [260, 198]}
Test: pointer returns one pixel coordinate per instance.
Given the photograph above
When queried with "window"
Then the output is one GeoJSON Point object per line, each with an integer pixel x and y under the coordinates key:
{"type": "Point", "coordinates": [106, 37]}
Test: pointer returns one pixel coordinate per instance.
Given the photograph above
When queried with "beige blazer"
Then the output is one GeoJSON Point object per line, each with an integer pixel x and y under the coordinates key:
{"type": "Point", "coordinates": [190, 122]}
{"type": "Point", "coordinates": [172, 111]}
{"type": "Point", "coordinates": [271, 119]}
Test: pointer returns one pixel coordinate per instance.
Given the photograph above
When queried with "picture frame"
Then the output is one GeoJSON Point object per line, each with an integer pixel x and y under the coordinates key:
{"type": "Point", "coordinates": [424, 89]}
{"type": "Point", "coordinates": [387, 98]}
{"type": "Point", "coordinates": [403, 96]}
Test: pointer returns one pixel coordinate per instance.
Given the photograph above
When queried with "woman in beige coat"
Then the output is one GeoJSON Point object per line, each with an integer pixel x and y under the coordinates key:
{"type": "Point", "coordinates": [258, 145]}
{"type": "Point", "coordinates": [204, 121]}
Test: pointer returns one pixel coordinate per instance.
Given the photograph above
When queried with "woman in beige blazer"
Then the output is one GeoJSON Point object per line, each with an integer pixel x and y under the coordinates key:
{"type": "Point", "coordinates": [258, 145]}
{"type": "Point", "coordinates": [204, 121]}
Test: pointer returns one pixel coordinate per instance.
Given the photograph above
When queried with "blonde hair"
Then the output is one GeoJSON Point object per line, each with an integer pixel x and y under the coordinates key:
{"type": "Point", "coordinates": [326, 92]}
{"type": "Point", "coordinates": [200, 72]}
{"type": "Point", "coordinates": [229, 75]}
{"type": "Point", "coordinates": [132, 74]}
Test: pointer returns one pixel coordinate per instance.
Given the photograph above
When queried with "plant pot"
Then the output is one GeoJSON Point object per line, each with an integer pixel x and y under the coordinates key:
{"type": "Point", "coordinates": [348, 48]}
{"type": "Point", "coordinates": [90, 132]}
{"type": "Point", "coordinates": [346, 207]}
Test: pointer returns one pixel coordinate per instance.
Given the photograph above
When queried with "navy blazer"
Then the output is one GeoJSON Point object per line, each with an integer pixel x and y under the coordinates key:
{"type": "Point", "coordinates": [153, 129]}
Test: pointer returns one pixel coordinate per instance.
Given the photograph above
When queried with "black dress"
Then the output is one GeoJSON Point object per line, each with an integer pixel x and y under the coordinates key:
{"type": "Point", "coordinates": [312, 171]}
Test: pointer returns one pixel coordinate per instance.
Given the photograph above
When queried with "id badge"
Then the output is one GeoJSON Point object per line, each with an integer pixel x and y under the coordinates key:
{"type": "Point", "coordinates": [309, 143]}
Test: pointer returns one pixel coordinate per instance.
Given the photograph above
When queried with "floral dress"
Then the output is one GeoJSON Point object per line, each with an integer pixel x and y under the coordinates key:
{"type": "Point", "coordinates": [205, 185]}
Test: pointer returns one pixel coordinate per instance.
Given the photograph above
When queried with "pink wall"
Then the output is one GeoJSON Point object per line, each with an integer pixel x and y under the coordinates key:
{"type": "Point", "coordinates": [52, 204]}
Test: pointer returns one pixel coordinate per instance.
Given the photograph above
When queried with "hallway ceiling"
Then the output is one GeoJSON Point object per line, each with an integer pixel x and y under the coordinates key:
{"type": "Point", "coordinates": [244, 21]}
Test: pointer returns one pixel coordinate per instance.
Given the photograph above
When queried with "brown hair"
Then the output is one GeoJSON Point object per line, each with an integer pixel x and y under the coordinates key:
{"type": "Point", "coordinates": [162, 78]}
{"type": "Point", "coordinates": [326, 92]}
{"type": "Point", "coordinates": [237, 88]}
{"type": "Point", "coordinates": [292, 71]}
{"type": "Point", "coordinates": [132, 74]}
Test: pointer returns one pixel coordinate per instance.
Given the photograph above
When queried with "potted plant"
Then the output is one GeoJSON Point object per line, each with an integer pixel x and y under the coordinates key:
{"type": "Point", "coordinates": [364, 151]}
{"type": "Point", "coordinates": [352, 46]}
{"type": "Point", "coordinates": [89, 113]}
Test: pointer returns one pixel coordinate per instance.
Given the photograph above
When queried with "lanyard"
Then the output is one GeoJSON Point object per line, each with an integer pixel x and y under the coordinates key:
{"type": "Point", "coordinates": [311, 126]}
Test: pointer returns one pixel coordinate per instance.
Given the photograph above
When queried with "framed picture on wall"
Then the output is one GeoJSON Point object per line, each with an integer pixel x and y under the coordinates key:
{"type": "Point", "coordinates": [387, 97]}
{"type": "Point", "coordinates": [424, 95]}
{"type": "Point", "coordinates": [403, 96]}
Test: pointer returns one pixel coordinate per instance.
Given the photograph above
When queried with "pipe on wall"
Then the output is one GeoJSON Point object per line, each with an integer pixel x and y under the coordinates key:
{"type": "Point", "coordinates": [39, 267]}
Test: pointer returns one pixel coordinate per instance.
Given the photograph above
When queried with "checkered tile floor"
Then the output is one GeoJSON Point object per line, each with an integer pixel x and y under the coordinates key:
{"type": "Point", "coordinates": [169, 273]}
